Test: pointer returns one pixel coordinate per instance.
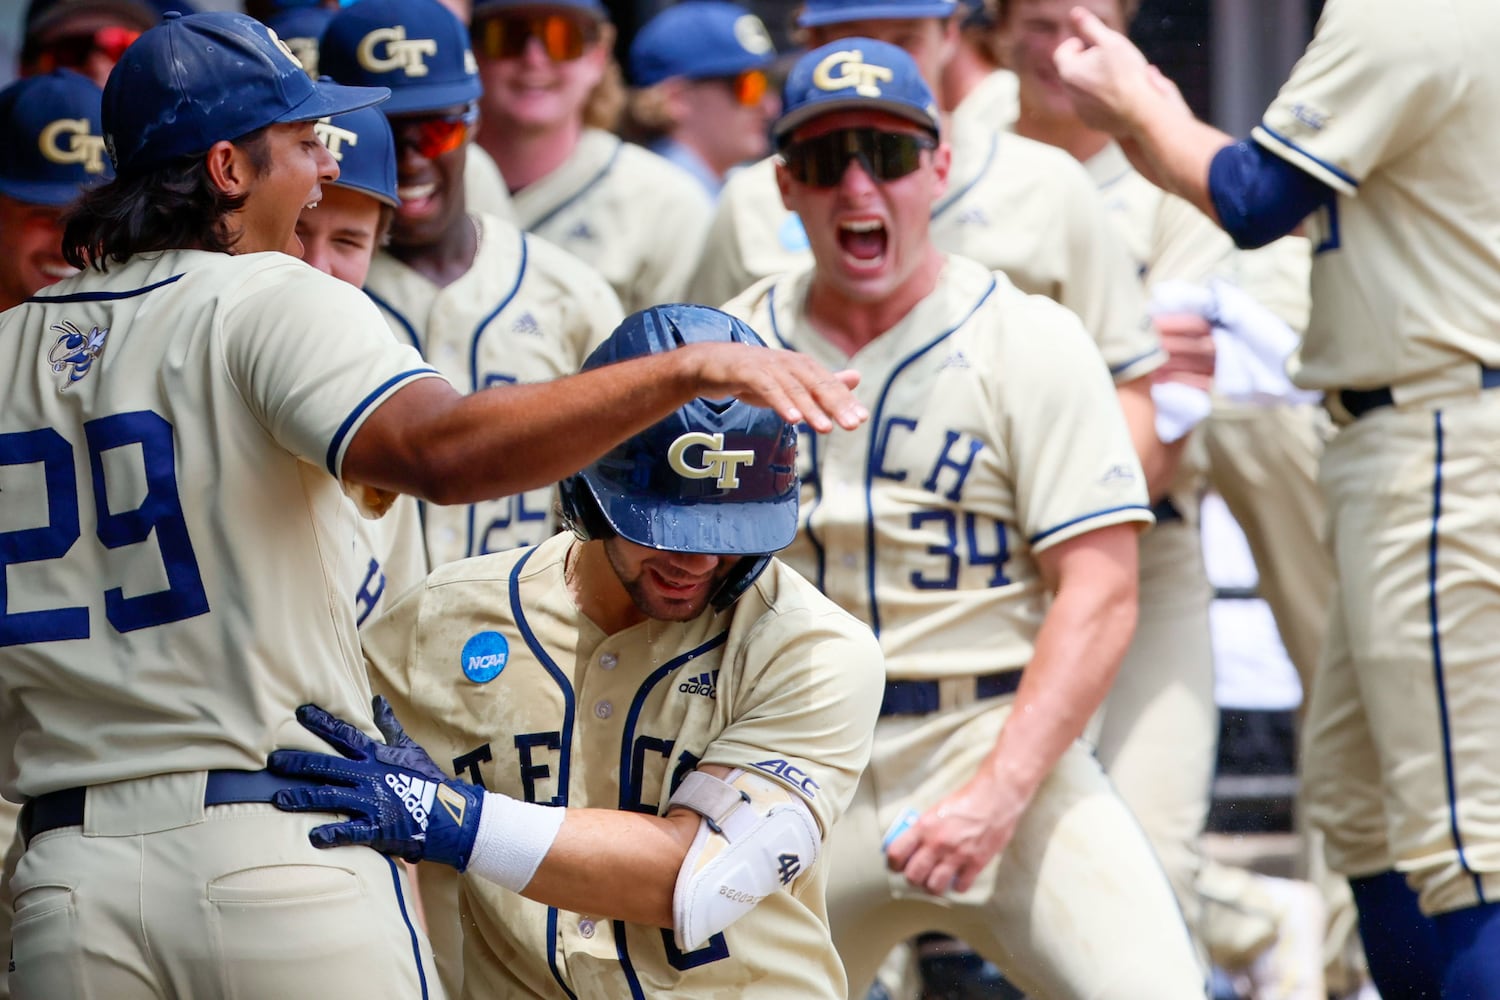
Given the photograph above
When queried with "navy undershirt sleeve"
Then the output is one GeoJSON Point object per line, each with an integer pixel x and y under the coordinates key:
{"type": "Point", "coordinates": [1259, 196]}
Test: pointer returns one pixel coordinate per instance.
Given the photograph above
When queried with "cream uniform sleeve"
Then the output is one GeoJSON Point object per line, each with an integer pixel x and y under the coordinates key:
{"type": "Point", "coordinates": [752, 236]}
{"type": "Point", "coordinates": [1076, 470]}
{"type": "Point", "coordinates": [1374, 82]}
{"type": "Point", "coordinates": [313, 393]}
{"type": "Point", "coordinates": [805, 710]}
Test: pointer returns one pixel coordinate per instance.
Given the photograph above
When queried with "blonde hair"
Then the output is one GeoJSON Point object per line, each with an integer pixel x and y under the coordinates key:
{"type": "Point", "coordinates": [606, 101]}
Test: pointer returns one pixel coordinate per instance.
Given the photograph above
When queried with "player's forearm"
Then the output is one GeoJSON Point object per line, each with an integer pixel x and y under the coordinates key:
{"type": "Point", "coordinates": [615, 865]}
{"type": "Point", "coordinates": [1173, 150]}
{"type": "Point", "coordinates": [1159, 461]}
{"type": "Point", "coordinates": [1076, 656]}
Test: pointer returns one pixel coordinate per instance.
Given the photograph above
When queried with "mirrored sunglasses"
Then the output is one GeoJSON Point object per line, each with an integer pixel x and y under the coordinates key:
{"type": "Point", "coordinates": [886, 156]}
{"type": "Point", "coordinates": [73, 51]}
{"type": "Point", "coordinates": [432, 137]}
{"type": "Point", "coordinates": [564, 37]}
{"type": "Point", "coordinates": [748, 86]}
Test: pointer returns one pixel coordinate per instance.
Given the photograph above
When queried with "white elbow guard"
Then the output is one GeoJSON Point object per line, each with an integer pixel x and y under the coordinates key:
{"type": "Point", "coordinates": [754, 838]}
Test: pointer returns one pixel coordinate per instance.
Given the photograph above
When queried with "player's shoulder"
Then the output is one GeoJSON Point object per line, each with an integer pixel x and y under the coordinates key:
{"type": "Point", "coordinates": [546, 261]}
{"type": "Point", "coordinates": [652, 177]}
{"type": "Point", "coordinates": [1008, 320]}
{"type": "Point", "coordinates": [750, 187]}
{"type": "Point", "coordinates": [787, 602]}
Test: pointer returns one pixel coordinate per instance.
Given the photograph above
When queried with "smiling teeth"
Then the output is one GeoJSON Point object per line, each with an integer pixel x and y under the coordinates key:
{"type": "Point", "coordinates": [311, 204]}
{"type": "Point", "coordinates": [416, 192]}
{"type": "Point", "coordinates": [862, 226]}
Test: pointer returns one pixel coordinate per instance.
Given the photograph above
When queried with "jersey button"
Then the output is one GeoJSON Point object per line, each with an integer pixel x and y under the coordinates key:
{"type": "Point", "coordinates": [608, 661]}
{"type": "Point", "coordinates": [586, 927]}
{"type": "Point", "coordinates": [604, 709]}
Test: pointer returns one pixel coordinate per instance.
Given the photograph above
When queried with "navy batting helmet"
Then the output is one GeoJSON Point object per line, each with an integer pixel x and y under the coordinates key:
{"type": "Point", "coordinates": [717, 476]}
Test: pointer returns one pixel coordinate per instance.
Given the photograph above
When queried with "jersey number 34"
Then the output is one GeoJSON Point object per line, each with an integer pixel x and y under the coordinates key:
{"type": "Point", "coordinates": [159, 513]}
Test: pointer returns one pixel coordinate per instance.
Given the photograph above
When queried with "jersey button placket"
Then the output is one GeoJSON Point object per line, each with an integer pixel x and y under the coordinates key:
{"type": "Point", "coordinates": [609, 661]}
{"type": "Point", "coordinates": [604, 709]}
{"type": "Point", "coordinates": [586, 927]}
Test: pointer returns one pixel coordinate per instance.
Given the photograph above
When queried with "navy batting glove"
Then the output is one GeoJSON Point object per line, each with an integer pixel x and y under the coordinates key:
{"type": "Point", "coordinates": [401, 803]}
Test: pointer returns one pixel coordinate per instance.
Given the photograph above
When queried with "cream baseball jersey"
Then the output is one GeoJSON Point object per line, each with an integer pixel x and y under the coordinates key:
{"type": "Point", "coordinates": [993, 104]}
{"type": "Point", "coordinates": [525, 311]}
{"type": "Point", "coordinates": [1013, 205]}
{"type": "Point", "coordinates": [176, 545]}
{"type": "Point", "coordinates": [994, 434]}
{"type": "Point", "coordinates": [631, 215]}
{"type": "Point", "coordinates": [1166, 237]}
{"type": "Point", "coordinates": [492, 667]}
{"type": "Point", "coordinates": [1393, 106]}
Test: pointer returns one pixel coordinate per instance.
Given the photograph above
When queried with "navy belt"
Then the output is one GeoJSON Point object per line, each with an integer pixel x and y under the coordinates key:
{"type": "Point", "coordinates": [921, 697]}
{"type": "Point", "coordinates": [55, 810]}
{"type": "Point", "coordinates": [1358, 402]}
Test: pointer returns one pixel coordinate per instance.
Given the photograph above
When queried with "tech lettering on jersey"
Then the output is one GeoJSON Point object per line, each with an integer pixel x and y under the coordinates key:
{"type": "Point", "coordinates": [386, 49]}
{"type": "Point", "coordinates": [719, 464]}
{"type": "Point", "coordinates": [334, 137]}
{"type": "Point", "coordinates": [852, 71]}
{"type": "Point", "coordinates": [68, 140]}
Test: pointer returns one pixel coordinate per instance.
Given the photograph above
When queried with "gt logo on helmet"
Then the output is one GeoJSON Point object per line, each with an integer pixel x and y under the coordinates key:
{"type": "Point", "coordinates": [717, 463]}
{"type": "Point", "coordinates": [387, 49]}
{"type": "Point", "coordinates": [334, 137]}
{"type": "Point", "coordinates": [67, 140]}
{"type": "Point", "coordinates": [852, 71]}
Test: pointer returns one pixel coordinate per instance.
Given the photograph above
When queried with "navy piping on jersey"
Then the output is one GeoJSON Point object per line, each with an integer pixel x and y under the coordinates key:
{"type": "Point", "coordinates": [565, 741]}
{"type": "Point", "coordinates": [358, 411]}
{"type": "Point", "coordinates": [1117, 178]}
{"type": "Point", "coordinates": [474, 386]}
{"type": "Point", "coordinates": [630, 793]}
{"type": "Point", "coordinates": [817, 499]}
{"type": "Point", "coordinates": [406, 324]}
{"type": "Point", "coordinates": [416, 948]}
{"type": "Point", "coordinates": [957, 196]}
{"type": "Point", "coordinates": [875, 442]}
{"type": "Point", "coordinates": [1129, 363]}
{"type": "Point", "coordinates": [1437, 658]}
{"type": "Point", "coordinates": [103, 296]}
{"type": "Point", "coordinates": [1086, 517]}
{"type": "Point", "coordinates": [583, 190]}
{"type": "Point", "coordinates": [552, 952]}
{"type": "Point", "coordinates": [1335, 171]}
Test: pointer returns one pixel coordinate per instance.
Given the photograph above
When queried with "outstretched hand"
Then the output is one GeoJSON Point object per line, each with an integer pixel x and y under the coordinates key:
{"type": "Point", "coordinates": [1105, 74]}
{"type": "Point", "coordinates": [796, 386]}
{"type": "Point", "coordinates": [399, 801]}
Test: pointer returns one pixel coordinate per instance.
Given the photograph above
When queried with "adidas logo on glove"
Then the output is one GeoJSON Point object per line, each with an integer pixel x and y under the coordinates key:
{"type": "Point", "coordinates": [416, 795]}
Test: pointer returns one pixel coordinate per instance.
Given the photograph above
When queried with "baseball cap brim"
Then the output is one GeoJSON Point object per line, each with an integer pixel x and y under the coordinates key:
{"type": "Point", "coordinates": [813, 17]}
{"type": "Point", "coordinates": [794, 119]}
{"type": "Point", "coordinates": [721, 528]}
{"type": "Point", "coordinates": [40, 192]}
{"type": "Point", "coordinates": [416, 99]}
{"type": "Point", "coordinates": [332, 99]}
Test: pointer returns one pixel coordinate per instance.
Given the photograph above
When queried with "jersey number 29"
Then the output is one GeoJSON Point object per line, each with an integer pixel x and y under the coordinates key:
{"type": "Point", "coordinates": [160, 512]}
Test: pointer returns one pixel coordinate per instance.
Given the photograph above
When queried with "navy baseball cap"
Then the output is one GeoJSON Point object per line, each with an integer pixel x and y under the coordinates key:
{"type": "Point", "coordinates": [592, 7]}
{"type": "Point", "coordinates": [196, 80]}
{"type": "Point", "coordinates": [51, 138]}
{"type": "Point", "coordinates": [417, 48]}
{"type": "Point", "coordinates": [855, 74]}
{"type": "Point", "coordinates": [362, 143]}
{"type": "Point", "coordinates": [302, 29]}
{"type": "Point", "coordinates": [699, 40]}
{"type": "Point", "coordinates": [816, 13]}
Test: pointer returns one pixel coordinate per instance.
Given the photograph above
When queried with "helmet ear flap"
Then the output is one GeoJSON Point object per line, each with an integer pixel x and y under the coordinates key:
{"type": "Point", "coordinates": [739, 580]}
{"type": "Point", "coordinates": [580, 511]}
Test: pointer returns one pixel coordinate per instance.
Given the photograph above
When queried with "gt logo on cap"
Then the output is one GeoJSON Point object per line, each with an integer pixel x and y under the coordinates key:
{"type": "Point", "coordinates": [843, 70]}
{"type": "Point", "coordinates": [334, 137]}
{"type": "Point", "coordinates": [717, 463]}
{"type": "Point", "coordinates": [386, 49]}
{"type": "Point", "coordinates": [67, 140]}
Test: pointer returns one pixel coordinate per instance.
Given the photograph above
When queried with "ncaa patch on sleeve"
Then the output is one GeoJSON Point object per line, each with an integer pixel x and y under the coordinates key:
{"type": "Point", "coordinates": [484, 656]}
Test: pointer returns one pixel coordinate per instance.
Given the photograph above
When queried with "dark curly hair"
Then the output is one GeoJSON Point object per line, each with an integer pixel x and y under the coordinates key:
{"type": "Point", "coordinates": [171, 207]}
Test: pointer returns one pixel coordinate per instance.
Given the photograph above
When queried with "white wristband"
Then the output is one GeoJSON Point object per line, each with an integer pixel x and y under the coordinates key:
{"type": "Point", "coordinates": [512, 840]}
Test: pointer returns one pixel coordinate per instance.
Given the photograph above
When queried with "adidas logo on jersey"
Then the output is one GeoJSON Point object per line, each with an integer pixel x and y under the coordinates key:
{"type": "Point", "coordinates": [416, 795]}
{"type": "Point", "coordinates": [704, 684]}
{"type": "Point", "coordinates": [955, 360]}
{"type": "Point", "coordinates": [527, 325]}
{"type": "Point", "coordinates": [581, 232]}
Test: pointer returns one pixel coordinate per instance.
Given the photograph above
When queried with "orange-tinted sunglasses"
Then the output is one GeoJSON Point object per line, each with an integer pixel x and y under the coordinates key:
{"type": "Point", "coordinates": [73, 51]}
{"type": "Point", "coordinates": [564, 37]}
{"type": "Point", "coordinates": [432, 137]}
{"type": "Point", "coordinates": [749, 86]}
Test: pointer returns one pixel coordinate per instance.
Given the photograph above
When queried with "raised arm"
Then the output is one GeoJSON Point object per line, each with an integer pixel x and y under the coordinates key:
{"type": "Point", "coordinates": [432, 442]}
